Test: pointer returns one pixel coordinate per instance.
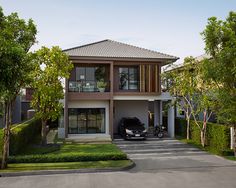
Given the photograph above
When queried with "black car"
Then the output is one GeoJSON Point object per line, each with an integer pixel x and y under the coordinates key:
{"type": "Point", "coordinates": [132, 128]}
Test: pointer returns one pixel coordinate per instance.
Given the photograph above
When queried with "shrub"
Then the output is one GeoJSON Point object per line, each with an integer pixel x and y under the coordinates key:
{"type": "Point", "coordinates": [217, 135]}
{"type": "Point", "coordinates": [22, 135]}
{"type": "Point", "coordinates": [66, 157]}
{"type": "Point", "coordinates": [180, 127]}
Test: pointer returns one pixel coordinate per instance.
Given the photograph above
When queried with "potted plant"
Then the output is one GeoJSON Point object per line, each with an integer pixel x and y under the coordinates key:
{"type": "Point", "coordinates": [101, 85]}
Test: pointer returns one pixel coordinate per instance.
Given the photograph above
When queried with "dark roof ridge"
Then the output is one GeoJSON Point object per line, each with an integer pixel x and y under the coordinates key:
{"type": "Point", "coordinates": [85, 45]}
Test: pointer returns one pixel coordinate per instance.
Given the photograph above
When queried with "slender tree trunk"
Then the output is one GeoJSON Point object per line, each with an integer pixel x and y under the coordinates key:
{"type": "Point", "coordinates": [188, 124]}
{"type": "Point", "coordinates": [188, 128]}
{"type": "Point", "coordinates": [44, 132]}
{"type": "Point", "coordinates": [203, 137]}
{"type": "Point", "coordinates": [6, 138]}
{"type": "Point", "coordinates": [203, 130]}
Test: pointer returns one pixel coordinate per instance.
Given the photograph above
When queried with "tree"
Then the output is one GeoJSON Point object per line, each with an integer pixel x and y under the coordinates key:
{"type": "Point", "coordinates": [182, 85]}
{"type": "Point", "coordinates": [16, 38]}
{"type": "Point", "coordinates": [192, 93]}
{"type": "Point", "coordinates": [220, 43]}
{"type": "Point", "coordinates": [53, 66]}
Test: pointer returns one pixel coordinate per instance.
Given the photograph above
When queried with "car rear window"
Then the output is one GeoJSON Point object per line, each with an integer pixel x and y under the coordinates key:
{"type": "Point", "coordinates": [131, 121]}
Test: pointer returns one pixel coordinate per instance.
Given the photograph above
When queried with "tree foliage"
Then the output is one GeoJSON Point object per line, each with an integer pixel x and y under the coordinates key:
{"type": "Point", "coordinates": [182, 82]}
{"type": "Point", "coordinates": [192, 93]}
{"type": "Point", "coordinates": [16, 38]}
{"type": "Point", "coordinates": [53, 66]}
{"type": "Point", "coordinates": [220, 69]}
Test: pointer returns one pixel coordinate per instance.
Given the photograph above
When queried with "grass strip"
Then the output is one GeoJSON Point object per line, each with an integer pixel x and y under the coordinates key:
{"type": "Point", "coordinates": [18, 167]}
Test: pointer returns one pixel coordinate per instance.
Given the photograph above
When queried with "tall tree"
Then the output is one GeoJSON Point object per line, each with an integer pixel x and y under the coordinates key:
{"type": "Point", "coordinates": [192, 93]}
{"type": "Point", "coordinates": [53, 67]}
{"type": "Point", "coordinates": [16, 38]}
{"type": "Point", "coordinates": [220, 69]}
{"type": "Point", "coordinates": [182, 84]}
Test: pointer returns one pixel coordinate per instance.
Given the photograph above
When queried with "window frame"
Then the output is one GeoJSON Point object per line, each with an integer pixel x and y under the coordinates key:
{"type": "Point", "coordinates": [136, 70]}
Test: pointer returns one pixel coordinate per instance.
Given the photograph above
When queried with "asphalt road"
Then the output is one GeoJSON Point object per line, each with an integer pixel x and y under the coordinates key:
{"type": "Point", "coordinates": [159, 163]}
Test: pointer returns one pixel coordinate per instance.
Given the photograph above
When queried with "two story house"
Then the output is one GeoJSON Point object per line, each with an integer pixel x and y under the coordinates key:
{"type": "Point", "coordinates": [111, 80]}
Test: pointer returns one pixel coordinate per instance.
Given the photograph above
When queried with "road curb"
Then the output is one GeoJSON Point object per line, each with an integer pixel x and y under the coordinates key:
{"type": "Point", "coordinates": [73, 171]}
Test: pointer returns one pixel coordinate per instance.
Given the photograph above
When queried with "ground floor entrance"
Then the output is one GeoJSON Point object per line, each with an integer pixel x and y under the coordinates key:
{"type": "Point", "coordinates": [86, 120]}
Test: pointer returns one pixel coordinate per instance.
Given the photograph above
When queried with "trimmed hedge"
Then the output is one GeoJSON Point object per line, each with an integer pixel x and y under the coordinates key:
{"type": "Point", "coordinates": [217, 135]}
{"type": "Point", "coordinates": [22, 135]}
{"type": "Point", "coordinates": [67, 157]}
{"type": "Point", "coordinates": [180, 127]}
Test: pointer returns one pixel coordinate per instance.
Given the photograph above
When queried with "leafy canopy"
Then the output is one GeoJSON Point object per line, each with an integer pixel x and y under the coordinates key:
{"type": "Point", "coordinates": [220, 69]}
{"type": "Point", "coordinates": [53, 66]}
{"type": "Point", "coordinates": [16, 38]}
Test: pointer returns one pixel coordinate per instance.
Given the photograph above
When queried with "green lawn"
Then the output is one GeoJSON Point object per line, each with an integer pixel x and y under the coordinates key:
{"type": "Point", "coordinates": [68, 156]}
{"type": "Point", "coordinates": [88, 148]}
{"type": "Point", "coordinates": [72, 148]}
{"type": "Point", "coordinates": [66, 165]}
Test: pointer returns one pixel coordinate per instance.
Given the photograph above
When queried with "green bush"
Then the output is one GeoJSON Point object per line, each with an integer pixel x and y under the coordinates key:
{"type": "Point", "coordinates": [22, 135]}
{"type": "Point", "coordinates": [217, 135]}
{"type": "Point", "coordinates": [1, 140]}
{"type": "Point", "coordinates": [66, 157]}
{"type": "Point", "coordinates": [195, 133]}
{"type": "Point", "coordinates": [180, 127]}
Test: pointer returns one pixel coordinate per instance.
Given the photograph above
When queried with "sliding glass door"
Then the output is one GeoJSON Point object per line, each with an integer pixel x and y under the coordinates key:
{"type": "Point", "coordinates": [86, 120]}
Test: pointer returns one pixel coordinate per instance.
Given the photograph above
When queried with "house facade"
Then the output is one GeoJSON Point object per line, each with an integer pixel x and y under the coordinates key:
{"type": "Point", "coordinates": [111, 80]}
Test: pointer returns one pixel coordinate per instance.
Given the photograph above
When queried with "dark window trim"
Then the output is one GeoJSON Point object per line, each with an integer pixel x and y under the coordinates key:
{"type": "Point", "coordinates": [128, 80]}
{"type": "Point", "coordinates": [86, 109]}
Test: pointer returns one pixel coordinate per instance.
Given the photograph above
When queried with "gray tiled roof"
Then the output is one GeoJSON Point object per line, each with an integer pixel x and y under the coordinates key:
{"type": "Point", "coordinates": [112, 49]}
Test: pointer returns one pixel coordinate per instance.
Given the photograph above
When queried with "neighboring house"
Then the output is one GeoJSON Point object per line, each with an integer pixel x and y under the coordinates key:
{"type": "Point", "coordinates": [111, 80]}
{"type": "Point", "coordinates": [25, 103]}
{"type": "Point", "coordinates": [20, 107]}
{"type": "Point", "coordinates": [179, 112]}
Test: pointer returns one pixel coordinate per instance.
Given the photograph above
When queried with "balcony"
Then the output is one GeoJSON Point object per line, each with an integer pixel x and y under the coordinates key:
{"type": "Point", "coordinates": [88, 86]}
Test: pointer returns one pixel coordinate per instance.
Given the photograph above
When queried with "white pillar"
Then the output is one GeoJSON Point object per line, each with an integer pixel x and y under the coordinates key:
{"type": "Point", "coordinates": [157, 113]}
{"type": "Point", "coordinates": [231, 138]}
{"type": "Point", "coordinates": [160, 111]}
{"type": "Point", "coordinates": [171, 122]}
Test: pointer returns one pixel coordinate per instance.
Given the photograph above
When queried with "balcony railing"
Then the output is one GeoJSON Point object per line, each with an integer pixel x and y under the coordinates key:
{"type": "Point", "coordinates": [89, 86]}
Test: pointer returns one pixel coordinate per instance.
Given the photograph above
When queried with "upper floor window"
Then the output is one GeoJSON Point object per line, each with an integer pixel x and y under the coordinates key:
{"type": "Point", "coordinates": [90, 79]}
{"type": "Point", "coordinates": [128, 78]}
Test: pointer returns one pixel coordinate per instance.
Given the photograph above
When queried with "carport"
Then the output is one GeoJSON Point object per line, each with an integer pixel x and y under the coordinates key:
{"type": "Point", "coordinates": [138, 106]}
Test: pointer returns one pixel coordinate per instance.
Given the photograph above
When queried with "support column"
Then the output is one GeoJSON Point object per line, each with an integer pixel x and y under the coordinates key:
{"type": "Point", "coordinates": [157, 113]}
{"type": "Point", "coordinates": [66, 109]}
{"type": "Point", "coordinates": [111, 102]}
{"type": "Point", "coordinates": [111, 118]}
{"type": "Point", "coordinates": [231, 138]}
{"type": "Point", "coordinates": [171, 122]}
{"type": "Point", "coordinates": [160, 117]}
{"type": "Point", "coordinates": [156, 107]}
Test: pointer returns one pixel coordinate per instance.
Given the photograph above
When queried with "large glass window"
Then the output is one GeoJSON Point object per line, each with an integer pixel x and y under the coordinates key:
{"type": "Point", "coordinates": [128, 78]}
{"type": "Point", "coordinates": [90, 79]}
{"type": "Point", "coordinates": [86, 120]}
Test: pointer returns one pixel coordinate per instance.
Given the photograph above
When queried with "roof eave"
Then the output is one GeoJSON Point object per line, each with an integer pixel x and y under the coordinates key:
{"type": "Point", "coordinates": [164, 61]}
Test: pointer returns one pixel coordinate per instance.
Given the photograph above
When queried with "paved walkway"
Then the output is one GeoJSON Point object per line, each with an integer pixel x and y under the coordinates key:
{"type": "Point", "coordinates": [163, 154]}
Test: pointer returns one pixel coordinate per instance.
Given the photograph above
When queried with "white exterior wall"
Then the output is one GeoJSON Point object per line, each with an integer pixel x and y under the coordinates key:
{"type": "Point", "coordinates": [127, 108]}
{"type": "Point", "coordinates": [93, 104]}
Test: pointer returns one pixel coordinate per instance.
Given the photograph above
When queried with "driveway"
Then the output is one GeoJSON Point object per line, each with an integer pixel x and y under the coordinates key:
{"type": "Point", "coordinates": [162, 163]}
{"type": "Point", "coordinates": [162, 154]}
